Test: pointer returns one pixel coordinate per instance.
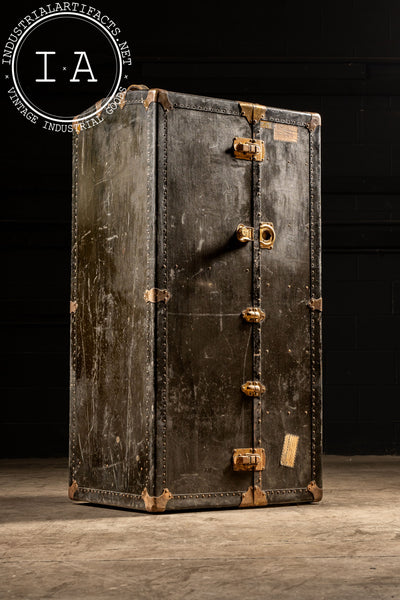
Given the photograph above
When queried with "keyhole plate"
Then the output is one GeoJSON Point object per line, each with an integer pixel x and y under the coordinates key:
{"type": "Point", "coordinates": [267, 235]}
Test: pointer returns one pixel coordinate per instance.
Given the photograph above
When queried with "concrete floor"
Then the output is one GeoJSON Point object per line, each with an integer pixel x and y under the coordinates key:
{"type": "Point", "coordinates": [347, 547]}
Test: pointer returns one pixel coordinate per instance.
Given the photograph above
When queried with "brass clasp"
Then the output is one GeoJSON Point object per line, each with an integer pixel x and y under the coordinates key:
{"type": "Point", "coordinates": [253, 388]}
{"type": "Point", "coordinates": [248, 149]}
{"type": "Point", "coordinates": [253, 314]}
{"type": "Point", "coordinates": [248, 459]}
{"type": "Point", "coordinates": [267, 235]}
{"type": "Point", "coordinates": [244, 233]}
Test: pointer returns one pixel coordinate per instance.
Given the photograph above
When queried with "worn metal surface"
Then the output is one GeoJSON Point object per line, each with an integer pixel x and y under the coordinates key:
{"type": "Point", "coordinates": [253, 497]}
{"type": "Point", "coordinates": [252, 112]}
{"type": "Point", "coordinates": [253, 315]}
{"type": "Point", "coordinates": [156, 503]}
{"type": "Point", "coordinates": [156, 388]}
{"type": "Point", "coordinates": [248, 459]}
{"type": "Point", "coordinates": [248, 149]}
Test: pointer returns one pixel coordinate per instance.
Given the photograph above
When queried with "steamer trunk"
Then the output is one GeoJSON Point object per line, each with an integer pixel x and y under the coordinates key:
{"type": "Point", "coordinates": [196, 305]}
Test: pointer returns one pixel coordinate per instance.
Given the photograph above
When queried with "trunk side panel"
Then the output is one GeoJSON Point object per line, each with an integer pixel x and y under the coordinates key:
{"type": "Point", "coordinates": [112, 330]}
{"type": "Point", "coordinates": [286, 284]}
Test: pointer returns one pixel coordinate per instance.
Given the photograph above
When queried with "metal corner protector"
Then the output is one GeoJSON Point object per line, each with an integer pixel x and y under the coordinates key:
{"type": "Point", "coordinates": [156, 504]}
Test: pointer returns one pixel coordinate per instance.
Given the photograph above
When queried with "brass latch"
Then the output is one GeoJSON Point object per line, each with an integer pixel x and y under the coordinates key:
{"type": "Point", "coordinates": [267, 235]}
{"type": "Point", "coordinates": [253, 388]}
{"type": "Point", "coordinates": [253, 314]}
{"type": "Point", "coordinates": [248, 149]}
{"type": "Point", "coordinates": [244, 233]}
{"type": "Point", "coordinates": [155, 295]}
{"type": "Point", "coordinates": [315, 304]}
{"type": "Point", "coordinates": [248, 459]}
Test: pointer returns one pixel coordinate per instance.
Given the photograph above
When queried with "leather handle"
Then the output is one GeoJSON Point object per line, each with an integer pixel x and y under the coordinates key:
{"type": "Point", "coordinates": [137, 86]}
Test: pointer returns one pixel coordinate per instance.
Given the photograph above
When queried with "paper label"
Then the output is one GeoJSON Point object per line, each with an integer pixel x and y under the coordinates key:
{"type": "Point", "coordinates": [285, 133]}
{"type": "Point", "coordinates": [289, 450]}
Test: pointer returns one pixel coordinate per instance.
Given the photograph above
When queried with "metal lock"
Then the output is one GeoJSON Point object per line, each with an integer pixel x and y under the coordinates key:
{"type": "Point", "coordinates": [248, 459]}
{"type": "Point", "coordinates": [253, 388]}
{"type": "Point", "coordinates": [244, 233]}
{"type": "Point", "coordinates": [253, 314]}
{"type": "Point", "coordinates": [248, 149]}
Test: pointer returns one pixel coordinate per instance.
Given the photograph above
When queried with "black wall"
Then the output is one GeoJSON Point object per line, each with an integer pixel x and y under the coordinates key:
{"type": "Point", "coordinates": [339, 59]}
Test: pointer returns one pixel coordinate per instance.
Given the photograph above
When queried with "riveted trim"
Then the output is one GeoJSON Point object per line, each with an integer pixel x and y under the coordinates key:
{"type": "Point", "coordinates": [253, 497]}
{"type": "Point", "coordinates": [156, 504]}
{"type": "Point", "coordinates": [316, 491]}
{"type": "Point", "coordinates": [158, 95]}
{"type": "Point", "coordinates": [74, 294]}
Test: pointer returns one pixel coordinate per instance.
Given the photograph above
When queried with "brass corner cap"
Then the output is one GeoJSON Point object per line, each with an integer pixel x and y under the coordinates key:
{"type": "Point", "coordinates": [314, 122]}
{"type": "Point", "coordinates": [316, 491]}
{"type": "Point", "coordinates": [252, 112]}
{"type": "Point", "coordinates": [158, 95]}
{"type": "Point", "coordinates": [253, 497]}
{"type": "Point", "coordinates": [156, 504]}
{"type": "Point", "coordinates": [73, 488]}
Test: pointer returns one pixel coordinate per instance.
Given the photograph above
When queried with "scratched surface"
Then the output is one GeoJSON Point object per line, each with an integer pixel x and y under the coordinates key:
{"type": "Point", "coordinates": [110, 415]}
{"type": "Point", "coordinates": [210, 279]}
{"type": "Point", "coordinates": [285, 273]}
{"type": "Point", "coordinates": [156, 397]}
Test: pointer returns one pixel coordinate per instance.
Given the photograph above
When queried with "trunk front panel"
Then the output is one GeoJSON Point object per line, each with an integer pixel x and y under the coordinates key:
{"type": "Point", "coordinates": [209, 276]}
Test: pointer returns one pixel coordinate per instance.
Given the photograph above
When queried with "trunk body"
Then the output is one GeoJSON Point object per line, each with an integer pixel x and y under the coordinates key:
{"type": "Point", "coordinates": [167, 342]}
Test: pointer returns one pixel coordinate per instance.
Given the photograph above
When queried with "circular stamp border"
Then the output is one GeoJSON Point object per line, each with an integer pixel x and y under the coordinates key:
{"type": "Point", "coordinates": [60, 15]}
